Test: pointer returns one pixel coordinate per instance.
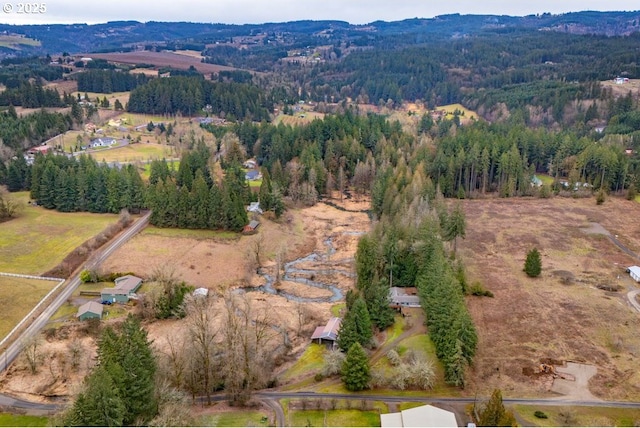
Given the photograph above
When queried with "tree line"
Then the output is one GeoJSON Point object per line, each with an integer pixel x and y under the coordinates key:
{"type": "Point", "coordinates": [108, 81]}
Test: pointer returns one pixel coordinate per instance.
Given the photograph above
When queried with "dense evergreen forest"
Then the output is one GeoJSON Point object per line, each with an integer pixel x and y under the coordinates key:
{"type": "Point", "coordinates": [108, 81]}
{"type": "Point", "coordinates": [190, 95]}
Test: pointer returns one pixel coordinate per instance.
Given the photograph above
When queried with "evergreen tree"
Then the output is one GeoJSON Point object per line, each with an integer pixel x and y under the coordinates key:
{"type": "Point", "coordinates": [99, 404]}
{"type": "Point", "coordinates": [494, 414]}
{"type": "Point", "coordinates": [533, 263]}
{"type": "Point", "coordinates": [355, 327]}
{"type": "Point", "coordinates": [356, 373]}
{"type": "Point", "coordinates": [455, 226]}
{"type": "Point", "coordinates": [376, 296]}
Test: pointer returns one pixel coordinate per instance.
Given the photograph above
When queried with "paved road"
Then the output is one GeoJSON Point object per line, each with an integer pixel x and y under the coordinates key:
{"type": "Point", "coordinates": [72, 283]}
{"type": "Point", "coordinates": [268, 395]}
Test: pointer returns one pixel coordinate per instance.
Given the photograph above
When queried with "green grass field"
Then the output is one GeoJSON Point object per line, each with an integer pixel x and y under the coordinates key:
{"type": "Point", "coordinates": [241, 418]}
{"type": "Point", "coordinates": [11, 420]}
{"type": "Point", "coordinates": [39, 239]}
{"type": "Point", "coordinates": [334, 418]}
{"type": "Point", "coordinates": [310, 362]}
{"type": "Point", "coordinates": [17, 297]}
{"type": "Point", "coordinates": [579, 416]}
{"type": "Point", "coordinates": [134, 152]}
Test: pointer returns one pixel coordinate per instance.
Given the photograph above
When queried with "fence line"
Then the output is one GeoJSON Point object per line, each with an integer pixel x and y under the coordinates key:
{"type": "Point", "coordinates": [37, 307]}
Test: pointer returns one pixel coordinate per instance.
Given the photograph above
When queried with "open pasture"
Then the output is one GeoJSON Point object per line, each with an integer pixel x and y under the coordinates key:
{"type": "Point", "coordinates": [562, 315]}
{"type": "Point", "coordinates": [39, 239]}
{"type": "Point", "coordinates": [17, 297]}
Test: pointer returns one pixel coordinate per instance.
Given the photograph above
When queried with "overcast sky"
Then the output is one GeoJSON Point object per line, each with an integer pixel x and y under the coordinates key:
{"type": "Point", "coordinates": [260, 11]}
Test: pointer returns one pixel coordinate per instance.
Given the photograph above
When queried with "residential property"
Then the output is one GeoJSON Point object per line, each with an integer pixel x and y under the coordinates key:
{"type": "Point", "coordinates": [423, 416]}
{"type": "Point", "coordinates": [103, 142]}
{"type": "Point", "coordinates": [328, 334]}
{"type": "Point", "coordinates": [125, 289]}
{"type": "Point", "coordinates": [250, 164]}
{"type": "Point", "coordinates": [90, 310]}
{"type": "Point", "coordinates": [634, 271]}
{"type": "Point", "coordinates": [252, 175]}
{"type": "Point", "coordinates": [251, 227]}
{"type": "Point", "coordinates": [254, 207]}
{"type": "Point", "coordinates": [535, 181]}
{"type": "Point", "coordinates": [403, 297]}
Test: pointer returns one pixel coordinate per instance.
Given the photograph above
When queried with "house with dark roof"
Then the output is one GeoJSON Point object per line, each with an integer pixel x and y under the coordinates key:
{"type": "Point", "coordinates": [403, 297]}
{"type": "Point", "coordinates": [89, 310]}
{"type": "Point", "coordinates": [327, 334]}
{"type": "Point", "coordinates": [125, 289]}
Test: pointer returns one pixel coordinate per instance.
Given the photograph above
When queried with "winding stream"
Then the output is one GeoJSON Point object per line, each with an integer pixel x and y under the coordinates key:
{"type": "Point", "coordinates": [293, 273]}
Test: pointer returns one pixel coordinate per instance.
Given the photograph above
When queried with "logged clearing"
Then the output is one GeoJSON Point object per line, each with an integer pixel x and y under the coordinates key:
{"type": "Point", "coordinates": [17, 297]}
{"type": "Point", "coordinates": [39, 239]}
{"type": "Point", "coordinates": [562, 315]}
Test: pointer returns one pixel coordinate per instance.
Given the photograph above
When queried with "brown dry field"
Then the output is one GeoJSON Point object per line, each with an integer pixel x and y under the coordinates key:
{"type": "Point", "coordinates": [633, 86]}
{"type": "Point", "coordinates": [546, 317]}
{"type": "Point", "coordinates": [68, 86]}
{"type": "Point", "coordinates": [162, 59]}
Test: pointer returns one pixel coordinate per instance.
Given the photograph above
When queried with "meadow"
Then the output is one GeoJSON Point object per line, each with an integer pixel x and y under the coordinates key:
{"type": "Point", "coordinates": [40, 239]}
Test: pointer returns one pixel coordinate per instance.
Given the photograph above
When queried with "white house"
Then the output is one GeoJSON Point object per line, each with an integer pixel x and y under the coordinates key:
{"type": "Point", "coordinates": [634, 271]}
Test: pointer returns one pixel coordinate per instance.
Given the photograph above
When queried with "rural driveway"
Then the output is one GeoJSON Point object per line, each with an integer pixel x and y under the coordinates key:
{"type": "Point", "coordinates": [72, 283]}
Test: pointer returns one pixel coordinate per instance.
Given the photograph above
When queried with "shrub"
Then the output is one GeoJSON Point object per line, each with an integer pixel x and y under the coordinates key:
{"type": "Point", "coordinates": [477, 289]}
{"type": "Point", "coordinates": [540, 414]}
{"type": "Point", "coordinates": [394, 358]}
{"type": "Point", "coordinates": [600, 197]}
{"type": "Point", "coordinates": [533, 263]}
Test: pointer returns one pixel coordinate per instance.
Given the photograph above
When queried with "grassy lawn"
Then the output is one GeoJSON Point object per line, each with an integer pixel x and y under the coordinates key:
{"type": "Point", "coordinates": [190, 233]}
{"type": "Point", "coordinates": [468, 114]}
{"type": "Point", "coordinates": [17, 297]}
{"type": "Point", "coordinates": [65, 312]}
{"type": "Point", "coordinates": [310, 362]}
{"type": "Point", "coordinates": [334, 418]}
{"type": "Point", "coordinates": [39, 239]}
{"type": "Point", "coordinates": [579, 416]}
{"type": "Point", "coordinates": [134, 152]}
{"type": "Point", "coordinates": [395, 330]}
{"type": "Point", "coordinates": [338, 309]}
{"type": "Point", "coordinates": [11, 420]}
{"type": "Point", "coordinates": [241, 418]}
{"type": "Point", "coordinates": [546, 179]}
{"type": "Point", "coordinates": [637, 198]}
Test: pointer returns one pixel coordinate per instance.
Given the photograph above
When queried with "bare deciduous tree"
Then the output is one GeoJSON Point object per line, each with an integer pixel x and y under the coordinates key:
{"type": "Point", "coordinates": [32, 353]}
{"type": "Point", "coordinates": [249, 358]}
{"type": "Point", "coordinates": [202, 355]}
{"type": "Point", "coordinates": [75, 350]}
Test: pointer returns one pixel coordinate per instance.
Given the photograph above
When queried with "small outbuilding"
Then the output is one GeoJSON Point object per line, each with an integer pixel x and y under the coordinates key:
{"type": "Point", "coordinates": [634, 271]}
{"type": "Point", "coordinates": [90, 310]}
{"type": "Point", "coordinates": [251, 227]}
{"type": "Point", "coordinates": [201, 292]}
{"type": "Point", "coordinates": [328, 334]}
